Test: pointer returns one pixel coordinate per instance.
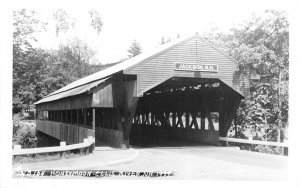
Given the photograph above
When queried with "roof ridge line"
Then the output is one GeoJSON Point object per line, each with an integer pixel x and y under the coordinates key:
{"type": "Point", "coordinates": [162, 51]}
{"type": "Point", "coordinates": [219, 50]}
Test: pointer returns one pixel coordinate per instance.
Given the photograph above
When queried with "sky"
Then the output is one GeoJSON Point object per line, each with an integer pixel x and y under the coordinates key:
{"type": "Point", "coordinates": [149, 21]}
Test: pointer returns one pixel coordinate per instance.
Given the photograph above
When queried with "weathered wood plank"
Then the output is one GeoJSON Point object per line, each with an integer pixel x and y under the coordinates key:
{"type": "Point", "coordinates": [65, 132]}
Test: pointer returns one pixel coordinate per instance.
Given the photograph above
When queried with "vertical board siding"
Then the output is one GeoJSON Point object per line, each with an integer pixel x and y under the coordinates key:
{"type": "Point", "coordinates": [74, 102]}
{"type": "Point", "coordinates": [64, 132]}
{"type": "Point", "coordinates": [156, 70]}
{"type": "Point", "coordinates": [108, 136]}
{"type": "Point", "coordinates": [109, 94]}
{"type": "Point", "coordinates": [130, 91]}
{"type": "Point", "coordinates": [107, 130]}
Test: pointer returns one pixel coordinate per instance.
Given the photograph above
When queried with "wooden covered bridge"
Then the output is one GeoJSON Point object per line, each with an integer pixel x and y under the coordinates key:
{"type": "Point", "coordinates": [184, 90]}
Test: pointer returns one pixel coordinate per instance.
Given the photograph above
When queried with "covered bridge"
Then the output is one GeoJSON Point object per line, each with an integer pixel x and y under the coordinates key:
{"type": "Point", "coordinates": [184, 90]}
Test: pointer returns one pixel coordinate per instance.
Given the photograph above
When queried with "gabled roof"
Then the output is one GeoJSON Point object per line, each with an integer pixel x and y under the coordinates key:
{"type": "Point", "coordinates": [109, 71]}
{"type": "Point", "coordinates": [120, 67]}
{"type": "Point", "coordinates": [125, 66]}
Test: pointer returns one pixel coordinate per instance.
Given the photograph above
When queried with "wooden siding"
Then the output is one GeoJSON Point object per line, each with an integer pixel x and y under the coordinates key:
{"type": "Point", "coordinates": [71, 134]}
{"type": "Point", "coordinates": [109, 94]}
{"type": "Point", "coordinates": [109, 136]}
{"type": "Point", "coordinates": [156, 70]}
{"type": "Point", "coordinates": [74, 102]}
{"type": "Point", "coordinates": [130, 91]}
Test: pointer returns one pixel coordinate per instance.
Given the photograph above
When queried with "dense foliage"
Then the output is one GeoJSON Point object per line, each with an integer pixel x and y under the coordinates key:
{"type": "Point", "coordinates": [261, 46]}
{"type": "Point", "coordinates": [38, 72]}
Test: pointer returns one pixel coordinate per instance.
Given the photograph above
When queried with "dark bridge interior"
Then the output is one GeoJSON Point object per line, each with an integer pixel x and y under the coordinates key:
{"type": "Point", "coordinates": [180, 111]}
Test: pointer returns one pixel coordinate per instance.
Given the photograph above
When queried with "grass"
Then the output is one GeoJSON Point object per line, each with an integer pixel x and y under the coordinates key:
{"type": "Point", "coordinates": [49, 156]}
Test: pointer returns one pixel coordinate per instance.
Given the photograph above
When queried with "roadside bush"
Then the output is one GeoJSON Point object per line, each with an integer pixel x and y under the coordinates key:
{"type": "Point", "coordinates": [24, 135]}
{"type": "Point", "coordinates": [269, 149]}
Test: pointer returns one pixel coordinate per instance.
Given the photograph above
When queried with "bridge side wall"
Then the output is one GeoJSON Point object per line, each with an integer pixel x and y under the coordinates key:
{"type": "Point", "coordinates": [71, 134]}
{"type": "Point", "coordinates": [109, 136]}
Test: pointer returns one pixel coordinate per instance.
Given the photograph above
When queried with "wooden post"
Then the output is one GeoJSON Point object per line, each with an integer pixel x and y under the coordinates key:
{"type": "Point", "coordinates": [235, 126]}
{"type": "Point", "coordinates": [286, 151]}
{"type": "Point", "coordinates": [84, 117]}
{"type": "Point", "coordinates": [221, 116]}
{"type": "Point", "coordinates": [187, 120]}
{"type": "Point", "coordinates": [119, 119]}
{"type": "Point", "coordinates": [94, 126]}
{"type": "Point", "coordinates": [202, 120]}
{"type": "Point", "coordinates": [77, 111]}
{"type": "Point", "coordinates": [279, 114]}
{"type": "Point", "coordinates": [152, 118]}
{"type": "Point", "coordinates": [143, 118]}
{"type": "Point", "coordinates": [71, 120]}
{"type": "Point", "coordinates": [94, 119]}
{"type": "Point", "coordinates": [128, 116]}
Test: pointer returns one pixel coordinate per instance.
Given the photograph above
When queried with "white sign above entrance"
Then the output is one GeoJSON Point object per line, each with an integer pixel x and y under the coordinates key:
{"type": "Point", "coordinates": [196, 67]}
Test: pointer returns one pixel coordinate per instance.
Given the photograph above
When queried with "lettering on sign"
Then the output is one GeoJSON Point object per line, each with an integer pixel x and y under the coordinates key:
{"type": "Point", "coordinates": [196, 67]}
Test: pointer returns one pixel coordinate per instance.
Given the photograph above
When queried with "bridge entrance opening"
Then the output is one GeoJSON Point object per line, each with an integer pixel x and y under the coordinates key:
{"type": "Point", "coordinates": [180, 111]}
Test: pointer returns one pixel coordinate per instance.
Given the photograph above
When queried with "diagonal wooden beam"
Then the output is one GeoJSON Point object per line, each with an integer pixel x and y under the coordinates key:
{"type": "Point", "coordinates": [179, 121]}
{"type": "Point", "coordinates": [156, 121]}
{"type": "Point", "coordinates": [194, 120]}
{"type": "Point", "coordinates": [173, 119]}
{"type": "Point", "coordinates": [164, 119]}
{"type": "Point", "coordinates": [167, 116]}
{"type": "Point", "coordinates": [230, 115]}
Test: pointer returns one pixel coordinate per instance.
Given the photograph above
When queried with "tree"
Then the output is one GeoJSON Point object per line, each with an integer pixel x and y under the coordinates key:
{"type": "Point", "coordinates": [267, 40]}
{"type": "Point", "coordinates": [24, 56]}
{"type": "Point", "coordinates": [135, 49]}
{"type": "Point", "coordinates": [261, 46]}
{"type": "Point", "coordinates": [38, 72]}
{"type": "Point", "coordinates": [75, 56]}
{"type": "Point", "coordinates": [63, 21]}
{"type": "Point", "coordinates": [164, 41]}
{"type": "Point", "coordinates": [96, 21]}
